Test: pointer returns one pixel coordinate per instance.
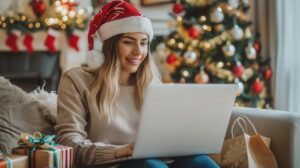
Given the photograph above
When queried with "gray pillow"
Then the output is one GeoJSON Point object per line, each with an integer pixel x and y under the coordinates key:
{"type": "Point", "coordinates": [19, 112]}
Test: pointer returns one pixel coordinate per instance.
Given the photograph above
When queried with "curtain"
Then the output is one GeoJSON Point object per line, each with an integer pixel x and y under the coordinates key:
{"type": "Point", "coordinates": [278, 21]}
{"type": "Point", "coordinates": [287, 76]}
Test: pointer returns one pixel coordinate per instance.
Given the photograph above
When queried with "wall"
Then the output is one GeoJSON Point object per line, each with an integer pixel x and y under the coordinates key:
{"type": "Point", "coordinates": [70, 58]}
{"type": "Point", "coordinates": [158, 14]}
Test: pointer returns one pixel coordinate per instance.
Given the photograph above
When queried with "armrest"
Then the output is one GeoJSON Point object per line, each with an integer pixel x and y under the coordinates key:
{"type": "Point", "coordinates": [282, 127]}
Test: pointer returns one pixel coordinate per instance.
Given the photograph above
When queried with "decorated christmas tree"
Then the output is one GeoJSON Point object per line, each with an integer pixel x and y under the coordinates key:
{"type": "Point", "coordinates": [212, 42]}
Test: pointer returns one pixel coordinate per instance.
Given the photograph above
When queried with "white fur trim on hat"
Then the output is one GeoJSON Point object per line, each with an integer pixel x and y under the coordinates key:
{"type": "Point", "coordinates": [126, 25]}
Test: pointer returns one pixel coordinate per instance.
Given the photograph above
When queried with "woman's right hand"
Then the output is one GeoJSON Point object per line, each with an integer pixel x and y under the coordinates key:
{"type": "Point", "coordinates": [124, 151]}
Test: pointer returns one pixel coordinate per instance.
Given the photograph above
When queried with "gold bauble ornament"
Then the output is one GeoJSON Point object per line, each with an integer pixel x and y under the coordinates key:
{"type": "Point", "coordinates": [201, 78]}
{"type": "Point", "coordinates": [233, 3]}
{"type": "Point", "coordinates": [190, 57]}
{"type": "Point", "coordinates": [240, 86]}
{"type": "Point", "coordinates": [237, 32]}
{"type": "Point", "coordinates": [228, 49]}
{"type": "Point", "coordinates": [248, 33]}
{"type": "Point", "coordinates": [250, 52]}
{"type": "Point", "coordinates": [219, 28]}
{"type": "Point", "coordinates": [217, 15]}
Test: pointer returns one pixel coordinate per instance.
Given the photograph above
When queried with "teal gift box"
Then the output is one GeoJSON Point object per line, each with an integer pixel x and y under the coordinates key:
{"type": "Point", "coordinates": [43, 152]}
{"type": "Point", "coordinates": [13, 161]}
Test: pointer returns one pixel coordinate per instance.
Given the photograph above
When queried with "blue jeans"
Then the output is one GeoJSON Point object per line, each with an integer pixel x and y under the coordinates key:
{"type": "Point", "coordinates": [198, 161]}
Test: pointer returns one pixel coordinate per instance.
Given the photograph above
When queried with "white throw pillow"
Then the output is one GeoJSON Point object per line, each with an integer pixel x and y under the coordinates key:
{"type": "Point", "coordinates": [20, 112]}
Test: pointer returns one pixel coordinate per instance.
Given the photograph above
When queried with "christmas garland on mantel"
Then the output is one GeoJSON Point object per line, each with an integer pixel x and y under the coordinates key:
{"type": "Point", "coordinates": [62, 15]}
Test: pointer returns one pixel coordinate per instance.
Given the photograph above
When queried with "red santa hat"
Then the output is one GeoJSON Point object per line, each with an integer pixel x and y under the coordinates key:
{"type": "Point", "coordinates": [118, 17]}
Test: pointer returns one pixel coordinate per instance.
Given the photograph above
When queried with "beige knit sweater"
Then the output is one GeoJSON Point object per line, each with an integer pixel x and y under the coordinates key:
{"type": "Point", "coordinates": [80, 126]}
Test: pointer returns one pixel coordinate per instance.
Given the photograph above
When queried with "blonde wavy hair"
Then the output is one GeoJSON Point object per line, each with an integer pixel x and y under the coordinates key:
{"type": "Point", "coordinates": [105, 89]}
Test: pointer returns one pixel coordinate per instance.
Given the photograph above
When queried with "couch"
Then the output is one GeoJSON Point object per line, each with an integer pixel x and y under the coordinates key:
{"type": "Point", "coordinates": [23, 112]}
{"type": "Point", "coordinates": [282, 127]}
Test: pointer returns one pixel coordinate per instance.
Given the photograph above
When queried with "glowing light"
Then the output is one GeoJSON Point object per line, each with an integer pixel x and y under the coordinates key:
{"type": "Point", "coordinates": [23, 18]}
{"type": "Point", "coordinates": [203, 18]}
{"type": "Point", "coordinates": [220, 64]}
{"type": "Point", "coordinates": [81, 11]}
{"type": "Point", "coordinates": [30, 25]}
{"type": "Point", "coordinates": [59, 8]}
{"type": "Point", "coordinates": [229, 8]}
{"type": "Point", "coordinates": [207, 45]}
{"type": "Point", "coordinates": [179, 18]}
{"type": "Point", "coordinates": [4, 25]}
{"type": "Point", "coordinates": [172, 41]}
{"type": "Point", "coordinates": [219, 9]}
{"type": "Point", "coordinates": [204, 27]}
{"type": "Point", "coordinates": [78, 21]}
{"type": "Point", "coordinates": [72, 14]}
{"type": "Point", "coordinates": [65, 18]}
{"type": "Point", "coordinates": [56, 20]}
{"type": "Point", "coordinates": [3, 18]}
{"type": "Point", "coordinates": [38, 25]}
{"type": "Point", "coordinates": [60, 22]}
{"type": "Point", "coordinates": [180, 45]}
{"type": "Point", "coordinates": [186, 73]}
{"type": "Point", "coordinates": [51, 21]}
{"type": "Point", "coordinates": [208, 28]}
{"type": "Point", "coordinates": [63, 26]}
{"type": "Point", "coordinates": [64, 11]}
{"type": "Point", "coordinates": [57, 3]}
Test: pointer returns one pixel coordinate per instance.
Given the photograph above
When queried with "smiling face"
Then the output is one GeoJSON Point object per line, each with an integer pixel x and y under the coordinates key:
{"type": "Point", "coordinates": [132, 50]}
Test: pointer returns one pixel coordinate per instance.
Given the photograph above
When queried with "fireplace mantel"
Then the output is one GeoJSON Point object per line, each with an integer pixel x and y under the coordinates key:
{"type": "Point", "coordinates": [68, 57]}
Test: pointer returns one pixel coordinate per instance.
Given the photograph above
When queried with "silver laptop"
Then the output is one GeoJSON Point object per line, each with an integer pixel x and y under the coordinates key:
{"type": "Point", "coordinates": [183, 119]}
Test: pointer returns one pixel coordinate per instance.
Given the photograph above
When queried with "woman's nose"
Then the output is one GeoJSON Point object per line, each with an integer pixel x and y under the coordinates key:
{"type": "Point", "coordinates": [138, 49]}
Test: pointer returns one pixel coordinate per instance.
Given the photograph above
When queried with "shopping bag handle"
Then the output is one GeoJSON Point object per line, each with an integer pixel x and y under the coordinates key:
{"type": "Point", "coordinates": [244, 128]}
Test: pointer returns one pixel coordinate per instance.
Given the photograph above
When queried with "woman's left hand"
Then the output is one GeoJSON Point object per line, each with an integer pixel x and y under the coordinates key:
{"type": "Point", "coordinates": [124, 151]}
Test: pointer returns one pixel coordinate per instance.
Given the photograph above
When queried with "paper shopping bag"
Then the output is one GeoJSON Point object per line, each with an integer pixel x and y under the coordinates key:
{"type": "Point", "coordinates": [247, 151]}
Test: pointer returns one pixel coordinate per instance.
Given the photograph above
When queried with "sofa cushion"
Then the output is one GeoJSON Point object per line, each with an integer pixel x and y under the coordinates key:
{"type": "Point", "coordinates": [20, 112]}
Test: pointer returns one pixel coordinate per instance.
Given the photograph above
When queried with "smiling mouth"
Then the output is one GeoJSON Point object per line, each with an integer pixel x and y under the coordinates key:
{"type": "Point", "coordinates": [133, 61]}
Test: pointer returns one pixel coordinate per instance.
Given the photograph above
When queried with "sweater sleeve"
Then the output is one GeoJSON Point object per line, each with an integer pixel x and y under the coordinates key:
{"type": "Point", "coordinates": [71, 124]}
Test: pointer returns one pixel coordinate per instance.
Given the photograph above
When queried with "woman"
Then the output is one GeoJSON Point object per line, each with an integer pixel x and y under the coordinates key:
{"type": "Point", "coordinates": [98, 109]}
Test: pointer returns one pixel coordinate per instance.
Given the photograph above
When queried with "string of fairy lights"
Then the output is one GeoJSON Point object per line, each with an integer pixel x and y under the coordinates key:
{"type": "Point", "coordinates": [65, 16]}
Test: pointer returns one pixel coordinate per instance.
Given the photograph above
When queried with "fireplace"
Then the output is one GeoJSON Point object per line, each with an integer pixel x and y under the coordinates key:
{"type": "Point", "coordinates": [31, 70]}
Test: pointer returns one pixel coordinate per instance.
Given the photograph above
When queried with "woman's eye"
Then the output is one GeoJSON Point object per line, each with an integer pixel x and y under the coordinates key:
{"type": "Point", "coordinates": [127, 42]}
{"type": "Point", "coordinates": [144, 43]}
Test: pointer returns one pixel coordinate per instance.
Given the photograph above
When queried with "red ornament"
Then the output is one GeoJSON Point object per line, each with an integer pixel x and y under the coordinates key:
{"type": "Point", "coordinates": [194, 32]}
{"type": "Point", "coordinates": [267, 74]}
{"type": "Point", "coordinates": [73, 41]}
{"type": "Point", "coordinates": [38, 7]}
{"type": "Point", "coordinates": [70, 5]}
{"type": "Point", "coordinates": [11, 42]}
{"type": "Point", "coordinates": [258, 86]}
{"type": "Point", "coordinates": [28, 43]}
{"type": "Point", "coordinates": [257, 46]}
{"type": "Point", "coordinates": [178, 8]}
{"type": "Point", "coordinates": [238, 70]}
{"type": "Point", "coordinates": [171, 59]}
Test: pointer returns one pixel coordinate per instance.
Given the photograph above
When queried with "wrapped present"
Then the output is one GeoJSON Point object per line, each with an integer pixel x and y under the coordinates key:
{"type": "Point", "coordinates": [13, 161]}
{"type": "Point", "coordinates": [43, 152]}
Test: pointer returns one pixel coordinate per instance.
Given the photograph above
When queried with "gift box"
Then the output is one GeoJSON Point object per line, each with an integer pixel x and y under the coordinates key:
{"type": "Point", "coordinates": [13, 161]}
{"type": "Point", "coordinates": [43, 152]}
{"type": "Point", "coordinates": [58, 156]}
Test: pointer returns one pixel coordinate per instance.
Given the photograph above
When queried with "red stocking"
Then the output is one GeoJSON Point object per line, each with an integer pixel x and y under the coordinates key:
{"type": "Point", "coordinates": [73, 41]}
{"type": "Point", "coordinates": [11, 41]}
{"type": "Point", "coordinates": [28, 42]}
{"type": "Point", "coordinates": [50, 39]}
